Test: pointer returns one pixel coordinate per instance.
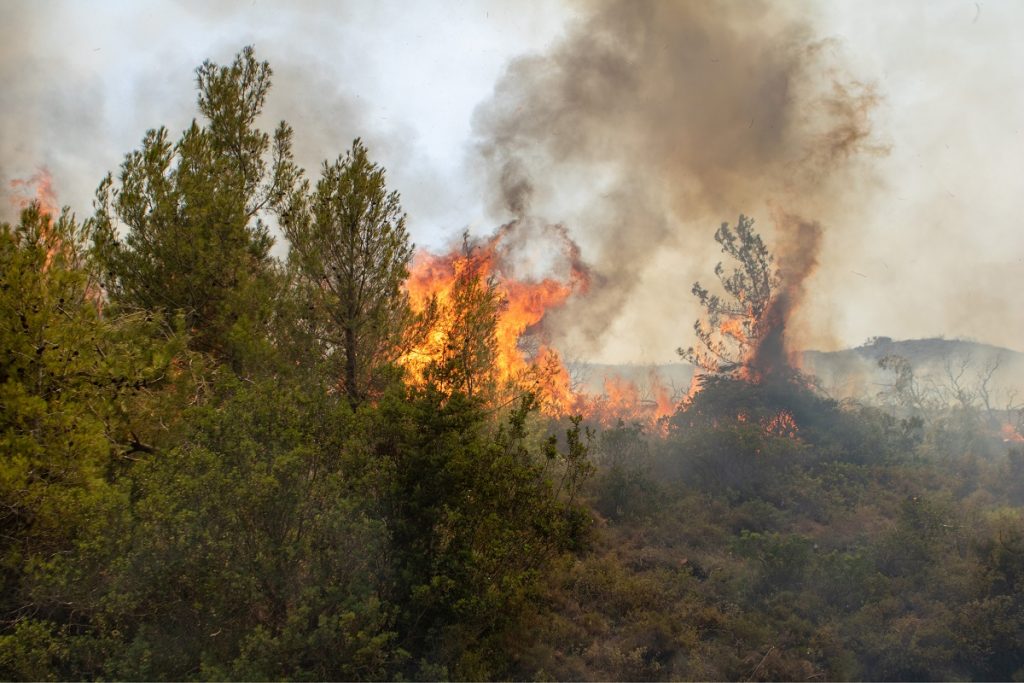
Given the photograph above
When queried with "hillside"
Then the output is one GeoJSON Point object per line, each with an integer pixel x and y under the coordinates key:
{"type": "Point", "coordinates": [937, 363]}
{"type": "Point", "coordinates": [852, 373]}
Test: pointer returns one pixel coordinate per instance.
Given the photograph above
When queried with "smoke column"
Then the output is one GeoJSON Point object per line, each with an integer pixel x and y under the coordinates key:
{"type": "Point", "coordinates": [659, 120]}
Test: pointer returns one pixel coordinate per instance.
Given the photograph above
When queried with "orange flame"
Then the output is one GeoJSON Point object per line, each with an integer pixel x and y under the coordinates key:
{"type": "Point", "coordinates": [624, 401]}
{"type": "Point", "coordinates": [524, 358]}
{"type": "Point", "coordinates": [664, 405]}
{"type": "Point", "coordinates": [759, 332]}
{"type": "Point", "coordinates": [694, 389]}
{"type": "Point", "coordinates": [433, 278]}
{"type": "Point", "coordinates": [733, 327]}
{"type": "Point", "coordinates": [1010, 434]}
{"type": "Point", "coordinates": [38, 188]}
{"type": "Point", "coordinates": [781, 424]}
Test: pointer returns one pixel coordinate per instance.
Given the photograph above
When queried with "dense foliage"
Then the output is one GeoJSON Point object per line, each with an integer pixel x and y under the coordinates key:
{"type": "Point", "coordinates": [211, 468]}
{"type": "Point", "coordinates": [348, 242]}
{"type": "Point", "coordinates": [847, 549]}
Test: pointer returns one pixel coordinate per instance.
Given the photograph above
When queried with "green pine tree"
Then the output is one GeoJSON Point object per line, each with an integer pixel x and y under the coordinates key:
{"type": "Point", "coordinates": [76, 386]}
{"type": "Point", "coordinates": [350, 247]}
{"type": "Point", "coordinates": [183, 228]}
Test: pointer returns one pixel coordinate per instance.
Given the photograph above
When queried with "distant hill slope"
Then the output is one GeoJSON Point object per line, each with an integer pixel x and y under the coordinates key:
{"type": "Point", "coordinates": [938, 365]}
{"type": "Point", "coordinates": [920, 351]}
{"type": "Point", "coordinates": [853, 373]}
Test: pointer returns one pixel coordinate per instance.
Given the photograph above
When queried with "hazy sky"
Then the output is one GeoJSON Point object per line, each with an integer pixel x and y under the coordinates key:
{"type": "Point", "coordinates": [925, 240]}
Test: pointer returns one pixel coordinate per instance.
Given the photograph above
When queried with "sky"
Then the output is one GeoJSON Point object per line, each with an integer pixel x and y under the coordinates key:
{"type": "Point", "coordinates": [920, 232]}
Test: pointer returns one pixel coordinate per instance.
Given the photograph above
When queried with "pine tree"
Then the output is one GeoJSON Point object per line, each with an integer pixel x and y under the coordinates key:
{"type": "Point", "coordinates": [72, 382]}
{"type": "Point", "coordinates": [350, 245]}
{"type": "Point", "coordinates": [733, 324]}
{"type": "Point", "coordinates": [192, 213]}
{"type": "Point", "coordinates": [465, 356]}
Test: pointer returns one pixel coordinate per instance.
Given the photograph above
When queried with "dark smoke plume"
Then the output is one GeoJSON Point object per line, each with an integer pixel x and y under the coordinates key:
{"type": "Point", "coordinates": [799, 242]}
{"type": "Point", "coordinates": [667, 118]}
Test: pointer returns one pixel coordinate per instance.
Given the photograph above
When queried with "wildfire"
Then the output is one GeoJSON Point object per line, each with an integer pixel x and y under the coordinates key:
{"type": "Point", "coordinates": [745, 335]}
{"type": "Point", "coordinates": [1010, 433]}
{"type": "Point", "coordinates": [432, 281]}
{"type": "Point", "coordinates": [38, 188]}
{"type": "Point", "coordinates": [524, 358]}
{"type": "Point", "coordinates": [623, 400]}
{"type": "Point", "coordinates": [734, 327]}
{"type": "Point", "coordinates": [781, 424]}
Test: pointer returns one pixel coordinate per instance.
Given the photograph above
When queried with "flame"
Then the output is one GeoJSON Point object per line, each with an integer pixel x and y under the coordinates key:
{"type": "Point", "coordinates": [38, 189]}
{"type": "Point", "coordinates": [664, 404]}
{"type": "Point", "coordinates": [624, 401]}
{"type": "Point", "coordinates": [781, 424]}
{"type": "Point", "coordinates": [800, 242]}
{"type": "Point", "coordinates": [734, 327]}
{"type": "Point", "coordinates": [1010, 433]}
{"type": "Point", "coordinates": [525, 360]}
{"type": "Point", "coordinates": [755, 333]}
{"type": "Point", "coordinates": [693, 390]}
{"type": "Point", "coordinates": [622, 395]}
{"type": "Point", "coordinates": [432, 278]}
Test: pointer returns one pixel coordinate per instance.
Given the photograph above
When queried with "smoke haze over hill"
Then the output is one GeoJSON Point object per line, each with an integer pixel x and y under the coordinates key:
{"type": "Point", "coordinates": [640, 127]}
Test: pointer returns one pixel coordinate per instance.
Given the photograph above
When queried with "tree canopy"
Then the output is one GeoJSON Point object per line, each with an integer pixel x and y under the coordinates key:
{"type": "Point", "coordinates": [733, 323]}
{"type": "Point", "coordinates": [349, 244]}
{"type": "Point", "coordinates": [183, 228]}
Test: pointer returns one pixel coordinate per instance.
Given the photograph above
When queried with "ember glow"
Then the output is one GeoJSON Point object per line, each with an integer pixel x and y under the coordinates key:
{"type": "Point", "coordinates": [781, 424]}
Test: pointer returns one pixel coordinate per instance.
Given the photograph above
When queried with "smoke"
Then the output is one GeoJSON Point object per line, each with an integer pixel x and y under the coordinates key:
{"type": "Point", "coordinates": [33, 105]}
{"type": "Point", "coordinates": [82, 85]}
{"type": "Point", "coordinates": [662, 119]}
{"type": "Point", "coordinates": [67, 107]}
{"type": "Point", "coordinates": [640, 126]}
{"type": "Point", "coordinates": [799, 245]}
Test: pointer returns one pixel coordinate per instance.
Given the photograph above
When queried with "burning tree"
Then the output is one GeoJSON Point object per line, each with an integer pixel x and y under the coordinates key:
{"type": "Point", "coordinates": [744, 375]}
{"type": "Point", "coordinates": [458, 352]}
{"type": "Point", "coordinates": [476, 314]}
{"type": "Point", "coordinates": [734, 326]}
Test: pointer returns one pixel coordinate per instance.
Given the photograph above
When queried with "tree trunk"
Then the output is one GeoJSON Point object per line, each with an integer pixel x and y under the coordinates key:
{"type": "Point", "coordinates": [351, 366]}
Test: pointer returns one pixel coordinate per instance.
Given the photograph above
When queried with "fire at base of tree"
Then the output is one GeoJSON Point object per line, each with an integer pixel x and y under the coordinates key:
{"type": "Point", "coordinates": [371, 463]}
